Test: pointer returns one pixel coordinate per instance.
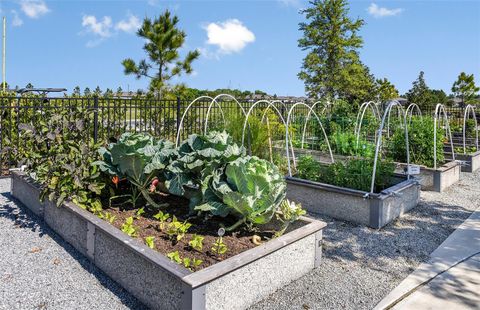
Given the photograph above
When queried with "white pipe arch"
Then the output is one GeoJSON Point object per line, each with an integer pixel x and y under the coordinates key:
{"type": "Point", "coordinates": [180, 126]}
{"type": "Point", "coordinates": [409, 112]}
{"type": "Point", "coordinates": [287, 139]}
{"type": "Point", "coordinates": [361, 114]}
{"type": "Point", "coordinates": [439, 108]}
{"type": "Point", "coordinates": [392, 104]}
{"type": "Point", "coordinates": [469, 108]}
{"type": "Point", "coordinates": [214, 100]}
{"type": "Point", "coordinates": [313, 106]}
{"type": "Point", "coordinates": [270, 105]}
{"type": "Point", "coordinates": [400, 110]}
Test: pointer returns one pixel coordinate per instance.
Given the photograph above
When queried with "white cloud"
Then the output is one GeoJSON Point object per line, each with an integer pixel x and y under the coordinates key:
{"type": "Point", "coordinates": [16, 21]}
{"type": "Point", "coordinates": [100, 28]}
{"type": "Point", "coordinates": [292, 3]}
{"type": "Point", "coordinates": [130, 25]}
{"type": "Point", "coordinates": [34, 8]}
{"type": "Point", "coordinates": [378, 12]}
{"type": "Point", "coordinates": [231, 36]}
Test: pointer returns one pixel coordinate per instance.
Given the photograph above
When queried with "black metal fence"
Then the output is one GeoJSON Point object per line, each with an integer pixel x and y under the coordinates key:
{"type": "Point", "coordinates": [162, 118]}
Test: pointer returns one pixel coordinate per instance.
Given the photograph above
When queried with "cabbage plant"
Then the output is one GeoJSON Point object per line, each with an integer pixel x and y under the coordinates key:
{"type": "Point", "coordinates": [140, 158]}
{"type": "Point", "coordinates": [251, 189]}
{"type": "Point", "coordinates": [199, 157]}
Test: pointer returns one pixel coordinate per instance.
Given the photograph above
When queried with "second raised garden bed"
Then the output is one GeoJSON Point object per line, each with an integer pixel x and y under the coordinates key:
{"type": "Point", "coordinates": [436, 179]}
{"type": "Point", "coordinates": [159, 283]}
{"type": "Point", "coordinates": [371, 209]}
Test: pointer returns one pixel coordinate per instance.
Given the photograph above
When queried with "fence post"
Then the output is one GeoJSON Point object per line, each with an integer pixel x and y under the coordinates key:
{"type": "Point", "coordinates": [178, 114]}
{"type": "Point", "coordinates": [95, 119]}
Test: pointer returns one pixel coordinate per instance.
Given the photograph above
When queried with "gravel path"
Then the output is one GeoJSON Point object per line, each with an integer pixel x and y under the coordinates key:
{"type": "Point", "coordinates": [362, 265]}
{"type": "Point", "coordinates": [40, 271]}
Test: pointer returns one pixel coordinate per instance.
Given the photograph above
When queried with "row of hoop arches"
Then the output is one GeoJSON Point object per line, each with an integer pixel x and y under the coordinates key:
{"type": "Point", "coordinates": [404, 115]}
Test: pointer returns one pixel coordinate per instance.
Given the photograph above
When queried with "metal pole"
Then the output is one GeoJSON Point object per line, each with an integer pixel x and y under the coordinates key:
{"type": "Point", "coordinates": [4, 53]}
{"type": "Point", "coordinates": [95, 119]}
{"type": "Point", "coordinates": [178, 114]}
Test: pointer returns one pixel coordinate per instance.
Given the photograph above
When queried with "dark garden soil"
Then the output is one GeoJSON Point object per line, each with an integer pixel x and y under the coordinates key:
{"type": "Point", "coordinates": [146, 225]}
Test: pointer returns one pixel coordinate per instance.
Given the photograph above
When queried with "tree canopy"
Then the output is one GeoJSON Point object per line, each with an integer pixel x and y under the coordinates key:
{"type": "Point", "coordinates": [163, 41]}
{"type": "Point", "coordinates": [464, 87]}
{"type": "Point", "coordinates": [332, 67]}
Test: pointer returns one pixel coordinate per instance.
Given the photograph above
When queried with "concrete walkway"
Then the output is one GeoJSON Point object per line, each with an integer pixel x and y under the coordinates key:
{"type": "Point", "coordinates": [449, 280]}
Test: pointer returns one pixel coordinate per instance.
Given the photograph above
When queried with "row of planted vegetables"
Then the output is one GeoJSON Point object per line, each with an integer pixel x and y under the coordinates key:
{"type": "Point", "coordinates": [198, 203]}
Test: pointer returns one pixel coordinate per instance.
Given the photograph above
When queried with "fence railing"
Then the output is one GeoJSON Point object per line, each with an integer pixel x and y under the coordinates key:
{"type": "Point", "coordinates": [114, 116]}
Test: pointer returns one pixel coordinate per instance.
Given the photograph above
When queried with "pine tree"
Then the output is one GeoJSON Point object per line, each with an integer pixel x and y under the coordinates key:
{"type": "Point", "coordinates": [464, 88]}
{"type": "Point", "coordinates": [163, 40]}
{"type": "Point", "coordinates": [332, 67]}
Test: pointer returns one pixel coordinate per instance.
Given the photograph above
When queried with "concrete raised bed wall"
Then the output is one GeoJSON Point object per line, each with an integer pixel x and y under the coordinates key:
{"type": "Point", "coordinates": [373, 210]}
{"type": "Point", "coordinates": [471, 162]}
{"type": "Point", "coordinates": [234, 283]}
{"type": "Point", "coordinates": [436, 180]}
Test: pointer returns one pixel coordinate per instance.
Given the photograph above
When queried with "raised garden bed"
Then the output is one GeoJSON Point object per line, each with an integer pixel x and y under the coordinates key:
{"type": "Point", "coordinates": [371, 209]}
{"type": "Point", "coordinates": [234, 283]}
{"type": "Point", "coordinates": [435, 179]}
{"type": "Point", "coordinates": [471, 162]}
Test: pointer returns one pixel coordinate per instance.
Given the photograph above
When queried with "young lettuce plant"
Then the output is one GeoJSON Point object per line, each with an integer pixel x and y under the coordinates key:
{"type": "Point", "coordinates": [140, 159]}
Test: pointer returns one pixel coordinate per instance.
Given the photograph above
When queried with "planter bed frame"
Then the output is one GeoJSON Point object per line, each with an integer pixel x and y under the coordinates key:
{"type": "Point", "coordinates": [374, 210]}
{"type": "Point", "coordinates": [436, 180]}
{"type": "Point", "coordinates": [471, 162]}
{"type": "Point", "coordinates": [159, 283]}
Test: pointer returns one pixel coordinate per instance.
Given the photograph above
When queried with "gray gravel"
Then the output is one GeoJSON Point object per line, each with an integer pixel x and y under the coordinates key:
{"type": "Point", "coordinates": [362, 265]}
{"type": "Point", "coordinates": [38, 270]}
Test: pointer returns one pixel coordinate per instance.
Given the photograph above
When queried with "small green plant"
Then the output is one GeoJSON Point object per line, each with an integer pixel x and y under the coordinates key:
{"type": "Point", "coordinates": [109, 217]}
{"type": "Point", "coordinates": [176, 229]}
{"type": "Point", "coordinates": [191, 263]}
{"type": "Point", "coordinates": [139, 212]}
{"type": "Point", "coordinates": [162, 218]}
{"type": "Point", "coordinates": [288, 213]}
{"type": "Point", "coordinates": [149, 241]}
{"type": "Point", "coordinates": [219, 247]}
{"type": "Point", "coordinates": [196, 242]}
{"type": "Point", "coordinates": [128, 227]}
{"type": "Point", "coordinates": [175, 257]}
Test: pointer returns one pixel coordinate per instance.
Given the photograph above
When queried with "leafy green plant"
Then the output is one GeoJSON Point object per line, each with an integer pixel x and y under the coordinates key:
{"type": "Point", "coordinates": [196, 242]}
{"type": "Point", "coordinates": [345, 143]}
{"type": "Point", "coordinates": [150, 242]}
{"type": "Point", "coordinates": [139, 212]}
{"type": "Point", "coordinates": [58, 152]}
{"type": "Point", "coordinates": [140, 159]}
{"type": "Point", "coordinates": [191, 263]}
{"type": "Point", "coordinates": [128, 228]}
{"type": "Point", "coordinates": [251, 189]}
{"type": "Point", "coordinates": [421, 143]}
{"type": "Point", "coordinates": [187, 262]}
{"type": "Point", "coordinates": [219, 247]}
{"type": "Point", "coordinates": [198, 157]}
{"type": "Point", "coordinates": [162, 218]}
{"type": "Point", "coordinates": [175, 257]}
{"type": "Point", "coordinates": [109, 217]}
{"type": "Point", "coordinates": [288, 213]}
{"type": "Point", "coordinates": [176, 229]}
{"type": "Point", "coordinates": [355, 173]}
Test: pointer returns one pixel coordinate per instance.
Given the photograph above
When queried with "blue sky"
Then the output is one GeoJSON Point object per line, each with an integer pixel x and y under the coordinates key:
{"type": "Point", "coordinates": [245, 44]}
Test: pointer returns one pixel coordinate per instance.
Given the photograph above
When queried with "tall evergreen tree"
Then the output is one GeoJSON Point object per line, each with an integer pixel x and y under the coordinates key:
{"type": "Point", "coordinates": [163, 40]}
{"type": "Point", "coordinates": [420, 93]}
{"type": "Point", "coordinates": [385, 90]}
{"type": "Point", "coordinates": [464, 87]}
{"type": "Point", "coordinates": [332, 67]}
